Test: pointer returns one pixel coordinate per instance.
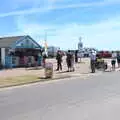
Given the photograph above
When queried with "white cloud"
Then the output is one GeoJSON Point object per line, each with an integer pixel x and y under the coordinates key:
{"type": "Point", "coordinates": [104, 34]}
{"type": "Point", "coordinates": [32, 3]}
{"type": "Point", "coordinates": [49, 5]}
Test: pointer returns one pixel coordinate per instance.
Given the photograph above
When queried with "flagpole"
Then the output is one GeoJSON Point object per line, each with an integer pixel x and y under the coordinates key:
{"type": "Point", "coordinates": [46, 43]}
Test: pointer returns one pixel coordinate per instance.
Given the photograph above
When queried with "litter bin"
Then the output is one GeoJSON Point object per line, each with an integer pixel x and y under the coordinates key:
{"type": "Point", "coordinates": [48, 70]}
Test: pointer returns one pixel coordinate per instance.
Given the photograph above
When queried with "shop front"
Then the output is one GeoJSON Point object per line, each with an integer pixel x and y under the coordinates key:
{"type": "Point", "coordinates": [20, 52]}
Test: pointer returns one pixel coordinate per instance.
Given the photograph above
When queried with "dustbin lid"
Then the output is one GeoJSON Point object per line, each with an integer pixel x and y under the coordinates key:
{"type": "Point", "coordinates": [49, 65]}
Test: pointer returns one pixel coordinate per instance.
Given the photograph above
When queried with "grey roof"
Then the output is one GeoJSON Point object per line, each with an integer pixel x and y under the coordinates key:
{"type": "Point", "coordinates": [6, 42]}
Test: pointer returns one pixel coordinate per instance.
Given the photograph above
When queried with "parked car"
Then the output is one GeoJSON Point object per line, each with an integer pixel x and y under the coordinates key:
{"type": "Point", "coordinates": [104, 54]}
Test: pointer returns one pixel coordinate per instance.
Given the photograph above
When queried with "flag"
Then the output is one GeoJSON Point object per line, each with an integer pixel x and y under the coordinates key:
{"type": "Point", "coordinates": [46, 47]}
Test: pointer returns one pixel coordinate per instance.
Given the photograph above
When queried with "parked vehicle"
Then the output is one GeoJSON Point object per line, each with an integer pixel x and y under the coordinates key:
{"type": "Point", "coordinates": [101, 64]}
{"type": "Point", "coordinates": [104, 54]}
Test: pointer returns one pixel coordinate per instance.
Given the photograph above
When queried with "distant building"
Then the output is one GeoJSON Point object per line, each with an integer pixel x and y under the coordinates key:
{"type": "Point", "coordinates": [52, 51]}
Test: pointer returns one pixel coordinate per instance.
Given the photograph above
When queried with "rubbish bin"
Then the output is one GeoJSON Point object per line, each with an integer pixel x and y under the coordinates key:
{"type": "Point", "coordinates": [48, 70]}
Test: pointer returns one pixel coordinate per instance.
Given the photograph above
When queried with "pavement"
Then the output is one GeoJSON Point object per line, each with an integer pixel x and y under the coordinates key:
{"type": "Point", "coordinates": [81, 68]}
{"type": "Point", "coordinates": [94, 98]}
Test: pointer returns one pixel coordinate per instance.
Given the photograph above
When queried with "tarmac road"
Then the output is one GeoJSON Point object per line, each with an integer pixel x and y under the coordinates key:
{"type": "Point", "coordinates": [94, 98]}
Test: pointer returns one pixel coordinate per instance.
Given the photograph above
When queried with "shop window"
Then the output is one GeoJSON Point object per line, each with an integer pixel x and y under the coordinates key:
{"type": "Point", "coordinates": [22, 44]}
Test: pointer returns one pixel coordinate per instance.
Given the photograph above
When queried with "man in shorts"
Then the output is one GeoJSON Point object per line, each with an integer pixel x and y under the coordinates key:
{"type": "Point", "coordinates": [93, 61]}
{"type": "Point", "coordinates": [113, 61]}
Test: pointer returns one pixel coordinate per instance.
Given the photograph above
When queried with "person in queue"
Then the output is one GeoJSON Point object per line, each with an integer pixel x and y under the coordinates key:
{"type": "Point", "coordinates": [93, 61]}
{"type": "Point", "coordinates": [113, 61]}
{"type": "Point", "coordinates": [44, 58]}
{"type": "Point", "coordinates": [59, 60]}
{"type": "Point", "coordinates": [76, 56]}
{"type": "Point", "coordinates": [69, 60]}
{"type": "Point", "coordinates": [73, 62]}
{"type": "Point", "coordinates": [118, 59]}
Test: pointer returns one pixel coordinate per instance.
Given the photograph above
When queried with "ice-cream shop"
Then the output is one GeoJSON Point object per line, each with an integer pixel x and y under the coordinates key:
{"type": "Point", "coordinates": [18, 51]}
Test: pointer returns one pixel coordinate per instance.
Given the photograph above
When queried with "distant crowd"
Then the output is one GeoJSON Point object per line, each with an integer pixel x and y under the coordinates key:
{"type": "Point", "coordinates": [115, 59]}
{"type": "Point", "coordinates": [95, 60]}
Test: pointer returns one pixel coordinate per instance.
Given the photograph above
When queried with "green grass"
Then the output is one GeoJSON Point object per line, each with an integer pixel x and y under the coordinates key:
{"type": "Point", "coordinates": [11, 81]}
{"type": "Point", "coordinates": [26, 79]}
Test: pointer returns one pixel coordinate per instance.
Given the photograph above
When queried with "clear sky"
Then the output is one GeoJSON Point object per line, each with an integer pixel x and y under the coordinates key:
{"type": "Point", "coordinates": [97, 21]}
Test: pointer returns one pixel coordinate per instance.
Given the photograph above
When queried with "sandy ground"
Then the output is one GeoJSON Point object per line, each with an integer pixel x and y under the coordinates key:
{"type": "Point", "coordinates": [80, 68]}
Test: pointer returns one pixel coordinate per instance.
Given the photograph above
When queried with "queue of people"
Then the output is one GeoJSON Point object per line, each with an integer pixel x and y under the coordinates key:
{"type": "Point", "coordinates": [115, 59]}
{"type": "Point", "coordinates": [72, 58]}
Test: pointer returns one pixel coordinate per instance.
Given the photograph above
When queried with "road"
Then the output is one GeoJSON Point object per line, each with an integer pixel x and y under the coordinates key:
{"type": "Point", "coordinates": [94, 98]}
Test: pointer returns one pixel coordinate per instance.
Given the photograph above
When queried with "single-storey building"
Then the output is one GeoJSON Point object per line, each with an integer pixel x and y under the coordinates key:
{"type": "Point", "coordinates": [17, 51]}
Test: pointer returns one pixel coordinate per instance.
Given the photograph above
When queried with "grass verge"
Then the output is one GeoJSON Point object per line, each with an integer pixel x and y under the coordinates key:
{"type": "Point", "coordinates": [26, 79]}
{"type": "Point", "coordinates": [19, 80]}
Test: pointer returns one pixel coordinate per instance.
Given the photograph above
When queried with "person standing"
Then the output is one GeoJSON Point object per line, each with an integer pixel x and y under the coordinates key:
{"type": "Point", "coordinates": [113, 61]}
{"type": "Point", "coordinates": [69, 60]}
{"type": "Point", "coordinates": [59, 61]}
{"type": "Point", "coordinates": [73, 62]}
{"type": "Point", "coordinates": [118, 59]}
{"type": "Point", "coordinates": [44, 58]}
{"type": "Point", "coordinates": [76, 56]}
{"type": "Point", "coordinates": [93, 61]}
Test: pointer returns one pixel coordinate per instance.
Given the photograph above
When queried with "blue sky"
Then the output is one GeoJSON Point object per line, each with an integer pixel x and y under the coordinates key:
{"type": "Point", "coordinates": [97, 21]}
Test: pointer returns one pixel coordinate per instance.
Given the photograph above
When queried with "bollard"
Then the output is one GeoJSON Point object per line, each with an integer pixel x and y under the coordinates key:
{"type": "Point", "coordinates": [48, 70]}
